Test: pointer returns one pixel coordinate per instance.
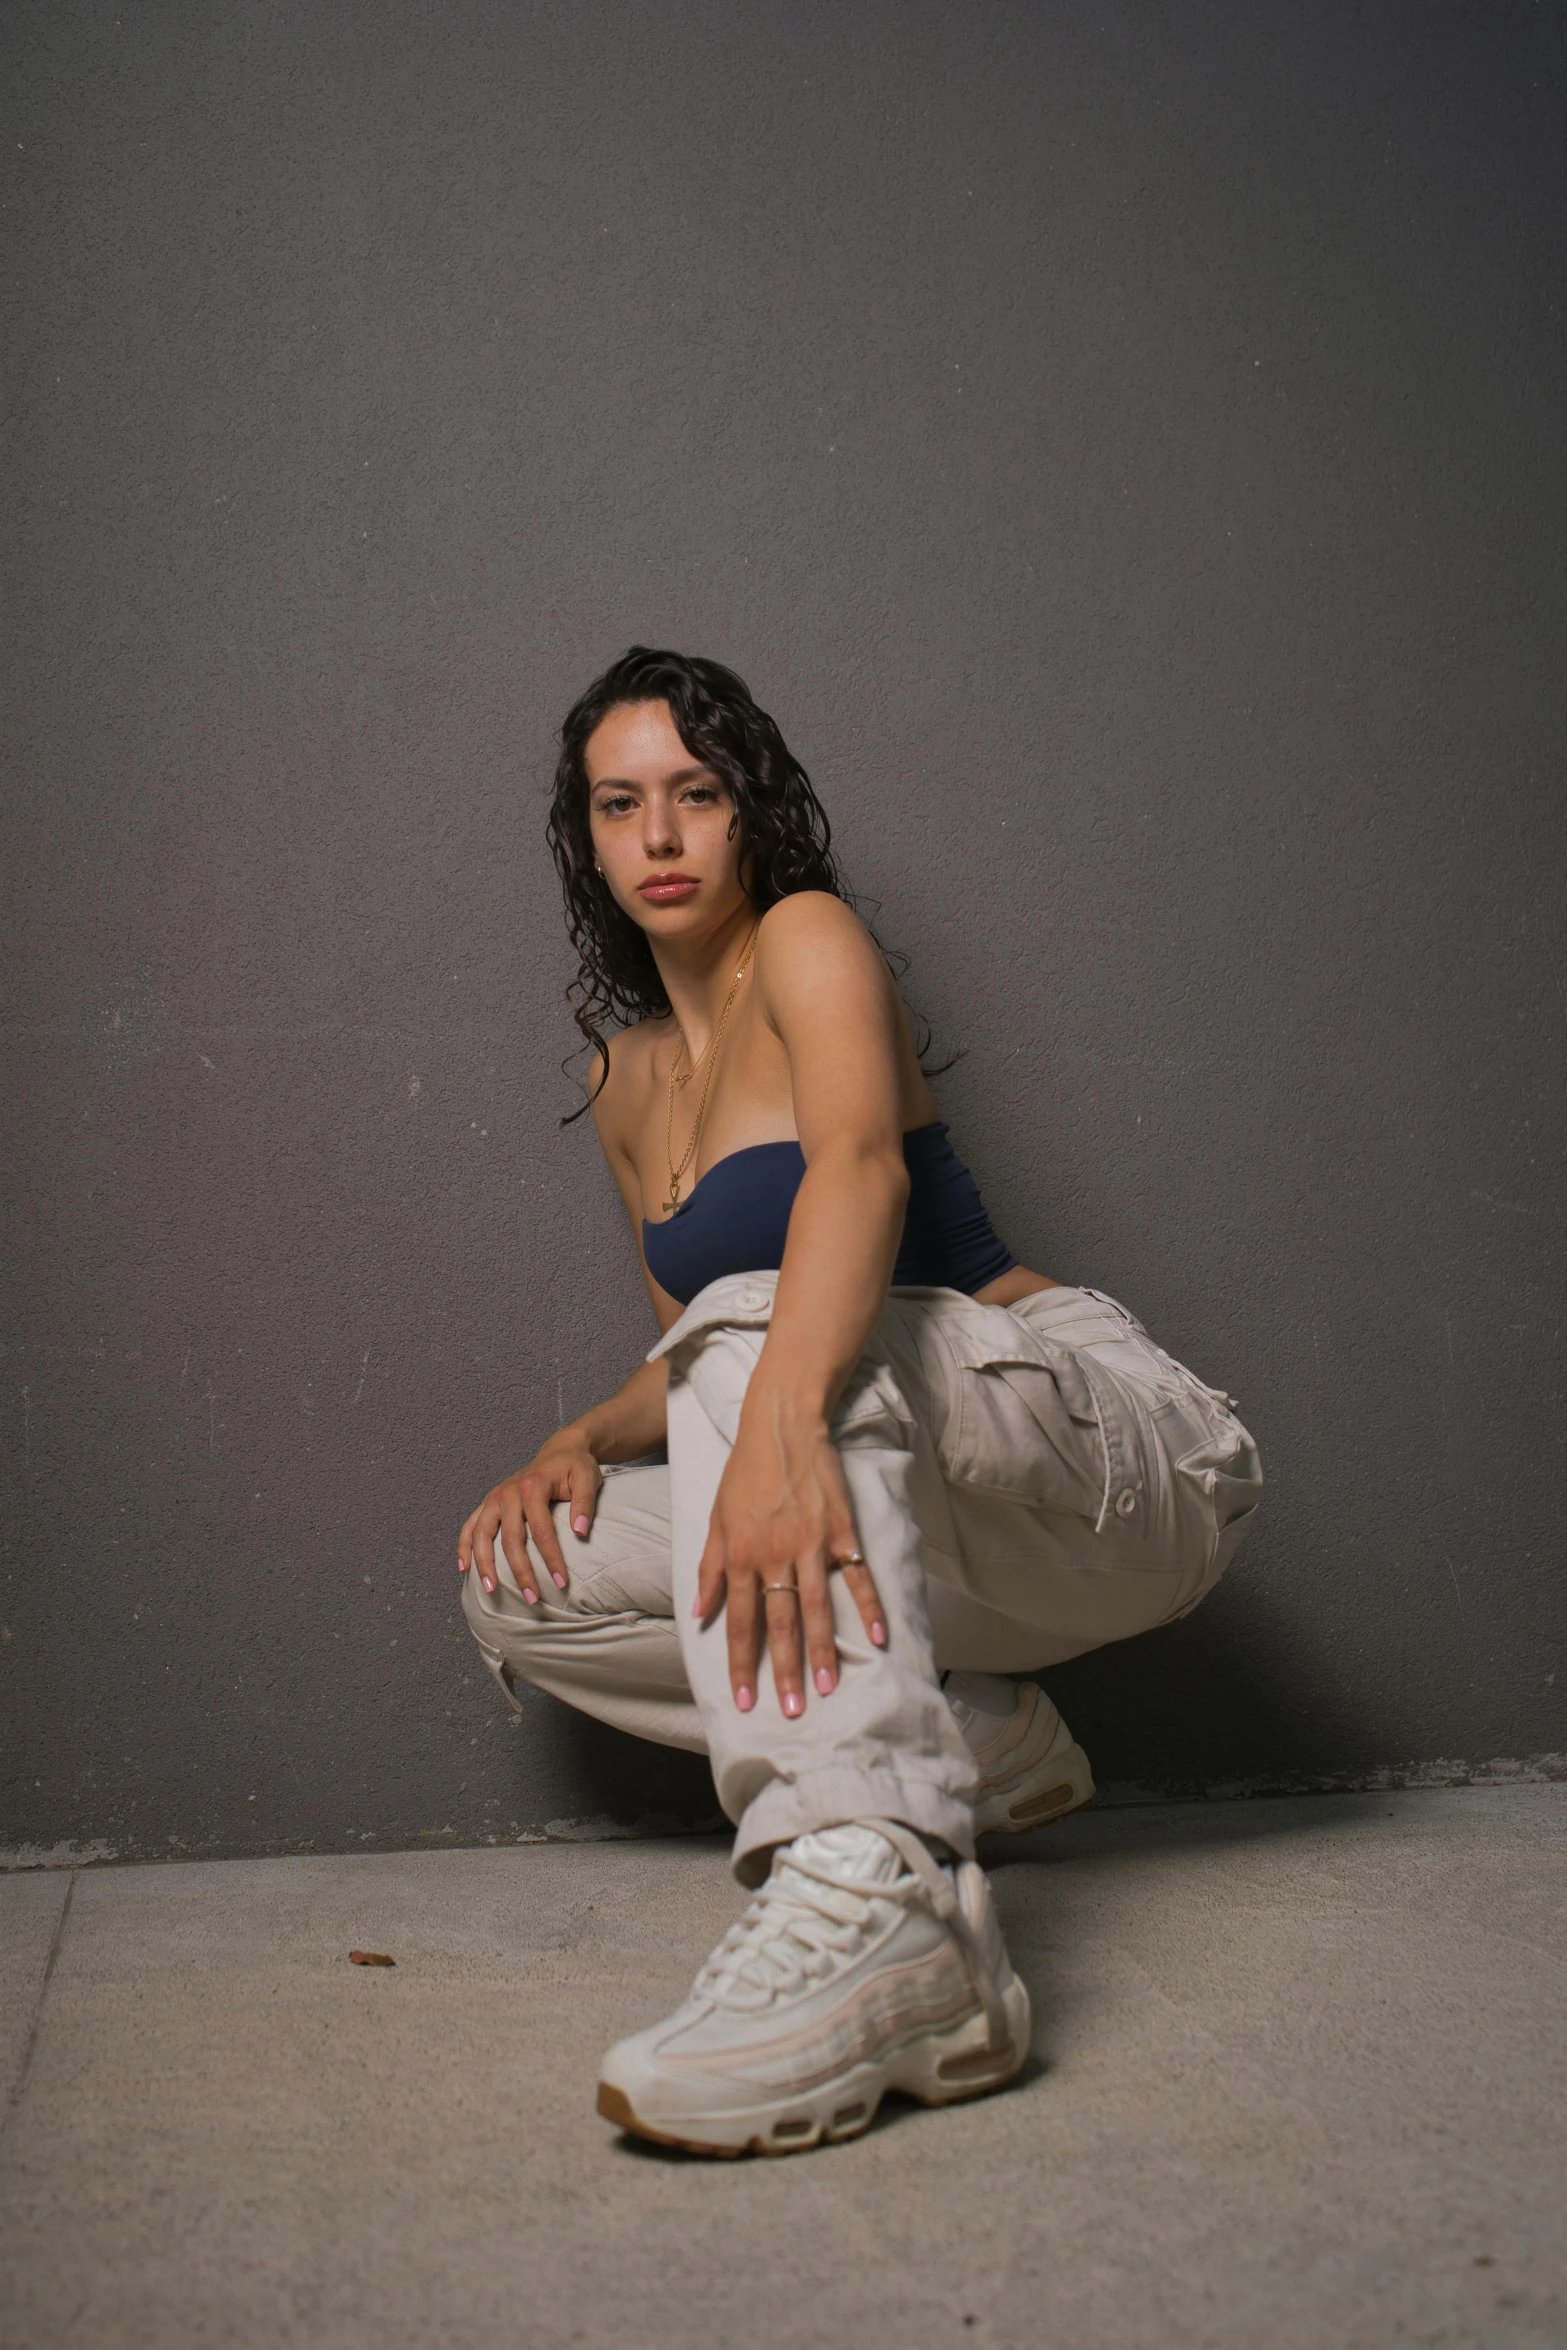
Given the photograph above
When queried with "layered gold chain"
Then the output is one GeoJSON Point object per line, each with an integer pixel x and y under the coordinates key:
{"type": "Point", "coordinates": [709, 1054]}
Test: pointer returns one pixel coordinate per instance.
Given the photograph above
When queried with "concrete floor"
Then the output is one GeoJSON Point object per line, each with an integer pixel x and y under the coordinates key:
{"type": "Point", "coordinates": [1301, 2080]}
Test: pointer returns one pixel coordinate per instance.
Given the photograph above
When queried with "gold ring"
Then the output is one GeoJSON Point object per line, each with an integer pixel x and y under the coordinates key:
{"type": "Point", "coordinates": [792, 1588]}
{"type": "Point", "coordinates": [851, 1558]}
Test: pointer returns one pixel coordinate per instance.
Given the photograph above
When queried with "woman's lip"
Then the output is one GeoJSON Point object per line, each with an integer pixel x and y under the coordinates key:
{"type": "Point", "coordinates": [667, 885]}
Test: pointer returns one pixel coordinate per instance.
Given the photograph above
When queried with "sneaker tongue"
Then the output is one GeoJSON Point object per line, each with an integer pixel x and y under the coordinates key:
{"type": "Point", "coordinates": [990, 1694]}
{"type": "Point", "coordinates": [863, 1855]}
{"type": "Point", "coordinates": [798, 1928]}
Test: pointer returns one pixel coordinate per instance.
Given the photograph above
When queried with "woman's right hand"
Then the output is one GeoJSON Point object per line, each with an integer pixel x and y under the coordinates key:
{"type": "Point", "coordinates": [561, 1470]}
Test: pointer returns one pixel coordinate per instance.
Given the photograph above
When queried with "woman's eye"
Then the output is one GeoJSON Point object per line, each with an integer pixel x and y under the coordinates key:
{"type": "Point", "coordinates": [703, 793]}
{"type": "Point", "coordinates": [616, 806]}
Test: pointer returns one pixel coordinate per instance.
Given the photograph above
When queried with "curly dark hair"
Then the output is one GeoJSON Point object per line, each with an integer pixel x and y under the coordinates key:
{"type": "Point", "coordinates": [782, 824]}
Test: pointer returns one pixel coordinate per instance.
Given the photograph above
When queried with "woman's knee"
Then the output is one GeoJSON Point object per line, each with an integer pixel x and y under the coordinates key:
{"type": "Point", "coordinates": [620, 1571]}
{"type": "Point", "coordinates": [713, 1373]}
{"type": "Point", "coordinates": [587, 1647]}
{"type": "Point", "coordinates": [521, 1640]}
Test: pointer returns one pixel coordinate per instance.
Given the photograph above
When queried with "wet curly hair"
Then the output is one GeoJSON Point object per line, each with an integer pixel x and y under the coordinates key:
{"type": "Point", "coordinates": [782, 825]}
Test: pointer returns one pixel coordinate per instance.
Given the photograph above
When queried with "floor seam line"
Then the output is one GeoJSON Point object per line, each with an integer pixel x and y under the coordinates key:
{"type": "Point", "coordinates": [30, 2050]}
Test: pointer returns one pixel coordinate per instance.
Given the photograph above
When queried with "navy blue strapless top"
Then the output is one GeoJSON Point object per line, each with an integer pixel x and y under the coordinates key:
{"type": "Point", "coordinates": [737, 1219]}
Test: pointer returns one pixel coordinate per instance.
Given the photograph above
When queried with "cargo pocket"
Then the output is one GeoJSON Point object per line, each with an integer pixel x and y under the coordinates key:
{"type": "Point", "coordinates": [1029, 1431]}
{"type": "Point", "coordinates": [1226, 1469]}
{"type": "Point", "coordinates": [1224, 1474]}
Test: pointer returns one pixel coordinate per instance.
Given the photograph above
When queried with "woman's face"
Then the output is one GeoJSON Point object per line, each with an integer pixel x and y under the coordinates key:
{"type": "Point", "coordinates": [661, 824]}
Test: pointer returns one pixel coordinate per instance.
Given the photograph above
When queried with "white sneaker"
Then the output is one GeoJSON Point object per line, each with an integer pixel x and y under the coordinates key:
{"type": "Point", "coordinates": [1031, 1767]}
{"type": "Point", "coordinates": [861, 1966]}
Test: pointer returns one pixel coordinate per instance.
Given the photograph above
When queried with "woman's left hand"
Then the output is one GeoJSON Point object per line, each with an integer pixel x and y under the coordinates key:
{"type": "Point", "coordinates": [783, 1523]}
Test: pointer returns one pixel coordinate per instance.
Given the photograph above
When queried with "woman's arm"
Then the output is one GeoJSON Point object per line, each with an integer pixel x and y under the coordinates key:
{"type": "Point", "coordinates": [783, 1512]}
{"type": "Point", "coordinates": [627, 1424]}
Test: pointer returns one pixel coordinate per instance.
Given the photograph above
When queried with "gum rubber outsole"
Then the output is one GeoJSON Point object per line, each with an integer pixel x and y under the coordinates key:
{"type": "Point", "coordinates": [615, 2106]}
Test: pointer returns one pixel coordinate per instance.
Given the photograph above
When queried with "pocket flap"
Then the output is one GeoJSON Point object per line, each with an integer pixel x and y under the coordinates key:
{"type": "Point", "coordinates": [743, 1300]}
{"type": "Point", "coordinates": [991, 1338]}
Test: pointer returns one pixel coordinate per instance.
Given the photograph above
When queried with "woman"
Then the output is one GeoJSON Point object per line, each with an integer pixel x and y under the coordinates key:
{"type": "Point", "coordinates": [902, 1469]}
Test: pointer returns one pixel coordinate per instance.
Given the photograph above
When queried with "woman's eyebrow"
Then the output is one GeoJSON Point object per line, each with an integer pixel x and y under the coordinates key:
{"type": "Point", "coordinates": [680, 775]}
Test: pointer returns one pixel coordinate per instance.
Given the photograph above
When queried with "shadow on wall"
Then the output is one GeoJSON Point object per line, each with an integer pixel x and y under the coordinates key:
{"type": "Point", "coordinates": [628, 1787]}
{"type": "Point", "coordinates": [1226, 1701]}
{"type": "Point", "coordinates": [1229, 1701]}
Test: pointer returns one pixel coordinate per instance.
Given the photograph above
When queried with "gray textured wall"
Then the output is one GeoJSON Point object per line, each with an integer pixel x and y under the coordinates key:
{"type": "Point", "coordinates": [1122, 445]}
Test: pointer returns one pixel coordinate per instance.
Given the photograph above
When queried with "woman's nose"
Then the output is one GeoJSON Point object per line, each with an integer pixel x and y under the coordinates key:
{"type": "Point", "coordinates": [660, 832]}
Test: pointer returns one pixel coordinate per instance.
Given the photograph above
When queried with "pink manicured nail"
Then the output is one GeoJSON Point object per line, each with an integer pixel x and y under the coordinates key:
{"type": "Point", "coordinates": [696, 1605]}
{"type": "Point", "coordinates": [793, 1703]}
{"type": "Point", "coordinates": [560, 1580]}
{"type": "Point", "coordinates": [579, 1525]}
{"type": "Point", "coordinates": [744, 1698]}
{"type": "Point", "coordinates": [879, 1635]}
{"type": "Point", "coordinates": [531, 1597]}
{"type": "Point", "coordinates": [462, 1566]}
{"type": "Point", "coordinates": [485, 1580]}
{"type": "Point", "coordinates": [824, 1680]}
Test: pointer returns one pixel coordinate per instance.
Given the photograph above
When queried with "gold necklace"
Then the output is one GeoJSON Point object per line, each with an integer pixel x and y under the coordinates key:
{"type": "Point", "coordinates": [709, 1053]}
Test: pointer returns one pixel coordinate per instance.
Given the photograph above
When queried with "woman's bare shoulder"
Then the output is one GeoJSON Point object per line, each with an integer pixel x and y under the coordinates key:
{"type": "Point", "coordinates": [808, 921]}
{"type": "Point", "coordinates": [823, 976]}
{"type": "Point", "coordinates": [813, 941]}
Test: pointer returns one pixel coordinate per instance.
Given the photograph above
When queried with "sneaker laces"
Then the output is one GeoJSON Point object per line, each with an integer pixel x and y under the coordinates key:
{"type": "Point", "coordinates": [806, 1919]}
{"type": "Point", "coordinates": [810, 1915]}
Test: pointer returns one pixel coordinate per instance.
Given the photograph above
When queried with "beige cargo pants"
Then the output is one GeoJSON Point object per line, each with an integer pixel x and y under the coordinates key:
{"type": "Point", "coordinates": [1029, 1481]}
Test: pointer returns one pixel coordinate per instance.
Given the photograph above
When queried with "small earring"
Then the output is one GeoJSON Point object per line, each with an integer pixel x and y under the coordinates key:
{"type": "Point", "coordinates": [599, 870]}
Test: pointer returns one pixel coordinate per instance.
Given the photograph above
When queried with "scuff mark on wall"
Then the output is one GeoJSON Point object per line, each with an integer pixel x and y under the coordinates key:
{"type": "Point", "coordinates": [55, 1856]}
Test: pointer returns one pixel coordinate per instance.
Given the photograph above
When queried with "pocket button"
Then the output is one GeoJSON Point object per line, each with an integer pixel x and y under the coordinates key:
{"type": "Point", "coordinates": [1125, 1503]}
